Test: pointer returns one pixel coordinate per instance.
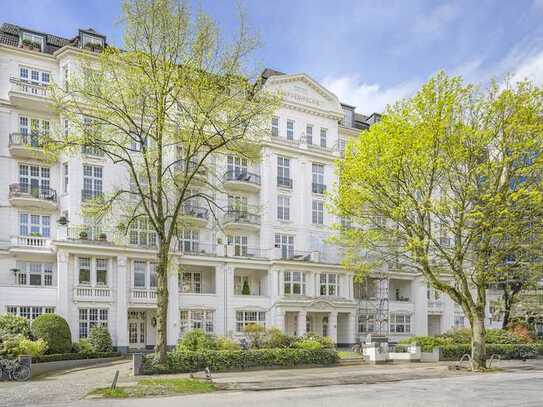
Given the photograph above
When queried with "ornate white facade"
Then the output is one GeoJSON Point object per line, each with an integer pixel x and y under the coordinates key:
{"type": "Point", "coordinates": [271, 266]}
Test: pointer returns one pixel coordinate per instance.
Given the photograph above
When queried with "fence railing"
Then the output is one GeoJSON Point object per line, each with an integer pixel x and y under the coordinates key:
{"type": "Point", "coordinates": [31, 191]}
{"type": "Point", "coordinates": [31, 88]}
{"type": "Point", "coordinates": [25, 140]}
{"type": "Point", "coordinates": [247, 177]}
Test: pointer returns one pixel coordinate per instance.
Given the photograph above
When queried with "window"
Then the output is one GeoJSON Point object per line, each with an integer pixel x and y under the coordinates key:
{"type": "Point", "coordinates": [317, 177]}
{"type": "Point", "coordinates": [237, 203]}
{"type": "Point", "coordinates": [84, 270]}
{"type": "Point", "coordinates": [34, 39]}
{"type": "Point", "coordinates": [329, 284]}
{"type": "Point", "coordinates": [294, 283]}
{"type": "Point", "coordinates": [34, 225]}
{"type": "Point", "coordinates": [152, 275]}
{"type": "Point", "coordinates": [101, 271]}
{"type": "Point", "coordinates": [366, 323]}
{"type": "Point", "coordinates": [196, 319]}
{"type": "Point", "coordinates": [346, 222]}
{"type": "Point", "coordinates": [29, 312]}
{"type": "Point", "coordinates": [240, 282]}
{"type": "Point", "coordinates": [240, 244]}
{"type": "Point", "coordinates": [275, 126]}
{"type": "Point", "coordinates": [309, 134]}
{"type": "Point", "coordinates": [342, 144]}
{"type": "Point", "coordinates": [92, 182]}
{"type": "Point", "coordinates": [66, 128]}
{"type": "Point", "coordinates": [290, 129]}
{"type": "Point", "coordinates": [347, 117]}
{"type": "Point", "coordinates": [317, 212]}
{"type": "Point", "coordinates": [286, 244]}
{"type": "Point", "coordinates": [323, 137]}
{"type": "Point", "coordinates": [31, 129]}
{"type": "Point", "coordinates": [283, 172]}
{"type": "Point", "coordinates": [35, 180]}
{"type": "Point", "coordinates": [189, 241]}
{"type": "Point", "coordinates": [459, 321]}
{"type": "Point", "coordinates": [90, 41]}
{"type": "Point", "coordinates": [34, 274]}
{"type": "Point", "coordinates": [400, 323]}
{"type": "Point", "coordinates": [192, 282]}
{"type": "Point", "coordinates": [246, 318]}
{"type": "Point", "coordinates": [90, 317]}
{"type": "Point", "coordinates": [236, 166]}
{"type": "Point", "coordinates": [65, 77]}
{"type": "Point", "coordinates": [142, 234]}
{"type": "Point", "coordinates": [283, 207]}
{"type": "Point", "coordinates": [140, 271]}
{"type": "Point", "coordinates": [65, 177]}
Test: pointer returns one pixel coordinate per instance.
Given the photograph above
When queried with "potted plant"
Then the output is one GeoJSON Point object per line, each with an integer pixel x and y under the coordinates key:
{"type": "Point", "coordinates": [27, 44]}
{"type": "Point", "coordinates": [63, 220]}
{"type": "Point", "coordinates": [246, 290]}
{"type": "Point", "coordinates": [35, 234]}
{"type": "Point", "coordinates": [102, 237]}
{"type": "Point", "coordinates": [83, 235]}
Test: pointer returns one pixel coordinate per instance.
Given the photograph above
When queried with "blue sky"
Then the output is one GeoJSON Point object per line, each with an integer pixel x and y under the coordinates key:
{"type": "Point", "coordinates": [370, 53]}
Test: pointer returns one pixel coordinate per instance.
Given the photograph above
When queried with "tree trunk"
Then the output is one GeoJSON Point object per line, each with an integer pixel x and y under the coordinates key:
{"type": "Point", "coordinates": [162, 305]}
{"type": "Point", "coordinates": [506, 316]}
{"type": "Point", "coordinates": [478, 348]}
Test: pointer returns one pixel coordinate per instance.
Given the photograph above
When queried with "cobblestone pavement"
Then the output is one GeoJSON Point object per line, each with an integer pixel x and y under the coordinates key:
{"type": "Point", "coordinates": [61, 387]}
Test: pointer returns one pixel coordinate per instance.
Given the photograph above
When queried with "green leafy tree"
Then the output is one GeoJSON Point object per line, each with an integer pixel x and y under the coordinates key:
{"type": "Point", "coordinates": [174, 98]}
{"type": "Point", "coordinates": [448, 184]}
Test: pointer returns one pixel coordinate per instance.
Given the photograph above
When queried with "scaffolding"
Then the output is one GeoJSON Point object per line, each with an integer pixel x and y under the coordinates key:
{"type": "Point", "coordinates": [373, 306]}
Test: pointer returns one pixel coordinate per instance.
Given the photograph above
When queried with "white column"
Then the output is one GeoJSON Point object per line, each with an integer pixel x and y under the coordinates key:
{"type": "Point", "coordinates": [122, 303]}
{"type": "Point", "coordinates": [173, 305]}
{"type": "Point", "coordinates": [332, 326]}
{"type": "Point", "coordinates": [300, 330]}
{"type": "Point", "coordinates": [279, 320]}
{"type": "Point", "coordinates": [351, 328]}
{"type": "Point", "coordinates": [65, 291]}
{"type": "Point", "coordinates": [420, 324]}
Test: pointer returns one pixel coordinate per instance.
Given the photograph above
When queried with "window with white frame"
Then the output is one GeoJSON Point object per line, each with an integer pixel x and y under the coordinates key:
{"type": "Point", "coordinates": [84, 270]}
{"type": "Point", "coordinates": [366, 323]}
{"type": "Point", "coordinates": [286, 244]}
{"type": "Point", "coordinates": [240, 244]}
{"type": "Point", "coordinates": [141, 233]}
{"type": "Point", "coordinates": [283, 172]}
{"type": "Point", "coordinates": [283, 207]}
{"type": "Point", "coordinates": [342, 144]}
{"type": "Point", "coordinates": [400, 323]}
{"type": "Point", "coordinates": [152, 275]}
{"type": "Point", "coordinates": [275, 126]}
{"type": "Point", "coordinates": [34, 274]}
{"type": "Point", "coordinates": [191, 282]}
{"type": "Point", "coordinates": [196, 319]}
{"type": "Point", "coordinates": [309, 134]}
{"type": "Point", "coordinates": [31, 224]}
{"type": "Point", "coordinates": [246, 318]}
{"type": "Point", "coordinates": [29, 312]}
{"type": "Point", "coordinates": [317, 178]}
{"type": "Point", "coordinates": [91, 40]}
{"type": "Point", "coordinates": [90, 317]}
{"type": "Point", "coordinates": [236, 166]}
{"type": "Point", "coordinates": [101, 271]}
{"type": "Point", "coordinates": [459, 321]}
{"type": "Point", "coordinates": [290, 129]}
{"type": "Point", "coordinates": [34, 76]}
{"type": "Point", "coordinates": [92, 182]}
{"type": "Point", "coordinates": [36, 40]}
{"type": "Point", "coordinates": [65, 177]}
{"type": "Point", "coordinates": [189, 241]}
{"type": "Point", "coordinates": [294, 283]}
{"type": "Point", "coordinates": [317, 212]}
{"type": "Point", "coordinates": [237, 203]}
{"type": "Point", "coordinates": [144, 274]}
{"type": "Point", "coordinates": [323, 138]}
{"type": "Point", "coordinates": [34, 180]}
{"type": "Point", "coordinates": [329, 284]}
{"type": "Point", "coordinates": [32, 128]}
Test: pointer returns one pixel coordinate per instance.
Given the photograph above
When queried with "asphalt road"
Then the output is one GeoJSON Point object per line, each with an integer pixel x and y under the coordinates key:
{"type": "Point", "coordinates": [522, 388]}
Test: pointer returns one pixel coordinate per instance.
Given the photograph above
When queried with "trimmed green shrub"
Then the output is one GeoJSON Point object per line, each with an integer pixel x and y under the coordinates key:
{"type": "Point", "coordinates": [185, 361]}
{"type": "Point", "coordinates": [325, 341]}
{"type": "Point", "coordinates": [196, 340]}
{"type": "Point", "coordinates": [256, 335]}
{"type": "Point", "coordinates": [84, 346]}
{"type": "Point", "coordinates": [100, 339]}
{"type": "Point", "coordinates": [226, 344]}
{"type": "Point", "coordinates": [505, 351]}
{"type": "Point", "coordinates": [275, 338]}
{"type": "Point", "coordinates": [55, 331]}
{"type": "Point", "coordinates": [9, 345]}
{"type": "Point", "coordinates": [427, 343]}
{"type": "Point", "coordinates": [14, 325]}
{"type": "Point", "coordinates": [310, 344]}
{"type": "Point", "coordinates": [74, 356]}
{"type": "Point", "coordinates": [33, 348]}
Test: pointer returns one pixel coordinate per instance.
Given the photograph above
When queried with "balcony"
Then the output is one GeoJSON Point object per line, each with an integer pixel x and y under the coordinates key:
{"type": "Point", "coordinates": [90, 233]}
{"type": "Point", "coordinates": [195, 215]}
{"type": "Point", "coordinates": [26, 196]}
{"type": "Point", "coordinates": [241, 220]}
{"type": "Point", "coordinates": [435, 306]}
{"type": "Point", "coordinates": [242, 181]}
{"type": "Point", "coordinates": [283, 182]}
{"type": "Point", "coordinates": [195, 248]}
{"type": "Point", "coordinates": [29, 94]}
{"type": "Point", "coordinates": [187, 168]}
{"type": "Point", "coordinates": [285, 140]}
{"type": "Point", "coordinates": [88, 293]}
{"type": "Point", "coordinates": [317, 188]}
{"type": "Point", "coordinates": [250, 283]}
{"type": "Point", "coordinates": [88, 195]}
{"type": "Point", "coordinates": [143, 295]}
{"type": "Point", "coordinates": [318, 147]}
{"type": "Point", "coordinates": [233, 250]}
{"type": "Point", "coordinates": [25, 146]}
{"type": "Point", "coordinates": [36, 242]}
{"type": "Point", "coordinates": [92, 152]}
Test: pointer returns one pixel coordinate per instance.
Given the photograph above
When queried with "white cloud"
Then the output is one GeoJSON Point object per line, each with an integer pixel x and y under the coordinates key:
{"type": "Point", "coordinates": [368, 98]}
{"type": "Point", "coordinates": [437, 19]}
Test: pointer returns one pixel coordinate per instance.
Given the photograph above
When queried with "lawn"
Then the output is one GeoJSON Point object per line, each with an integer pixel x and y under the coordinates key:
{"type": "Point", "coordinates": [156, 387]}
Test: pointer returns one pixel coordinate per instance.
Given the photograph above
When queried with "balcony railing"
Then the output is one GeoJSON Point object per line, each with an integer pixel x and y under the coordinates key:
{"type": "Point", "coordinates": [88, 232]}
{"type": "Point", "coordinates": [241, 216]}
{"type": "Point", "coordinates": [92, 151]}
{"type": "Point", "coordinates": [31, 88]}
{"type": "Point", "coordinates": [318, 188]}
{"type": "Point", "coordinates": [32, 191]}
{"type": "Point", "coordinates": [196, 212]}
{"type": "Point", "coordinates": [190, 166]}
{"type": "Point", "coordinates": [87, 195]}
{"type": "Point", "coordinates": [32, 241]}
{"type": "Point", "coordinates": [284, 182]}
{"type": "Point", "coordinates": [435, 305]}
{"type": "Point", "coordinates": [92, 292]}
{"type": "Point", "coordinates": [24, 140]}
{"type": "Point", "coordinates": [247, 177]}
{"type": "Point", "coordinates": [241, 251]}
{"type": "Point", "coordinates": [144, 294]}
{"type": "Point", "coordinates": [195, 248]}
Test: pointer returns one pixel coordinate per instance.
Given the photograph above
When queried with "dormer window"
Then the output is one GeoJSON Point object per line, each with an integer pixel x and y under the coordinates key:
{"type": "Point", "coordinates": [92, 43]}
{"type": "Point", "coordinates": [33, 42]}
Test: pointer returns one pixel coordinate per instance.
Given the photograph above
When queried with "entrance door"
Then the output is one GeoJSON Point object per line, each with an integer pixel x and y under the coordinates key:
{"type": "Point", "coordinates": [136, 329]}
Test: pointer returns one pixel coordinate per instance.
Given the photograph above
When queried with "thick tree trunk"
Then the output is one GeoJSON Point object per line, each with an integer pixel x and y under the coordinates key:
{"type": "Point", "coordinates": [506, 317]}
{"type": "Point", "coordinates": [162, 305]}
{"type": "Point", "coordinates": [478, 348]}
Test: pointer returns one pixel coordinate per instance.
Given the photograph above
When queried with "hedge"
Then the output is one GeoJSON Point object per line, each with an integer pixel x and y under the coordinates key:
{"type": "Point", "coordinates": [55, 331]}
{"type": "Point", "coordinates": [505, 351]}
{"type": "Point", "coordinates": [74, 356]}
{"type": "Point", "coordinates": [221, 360]}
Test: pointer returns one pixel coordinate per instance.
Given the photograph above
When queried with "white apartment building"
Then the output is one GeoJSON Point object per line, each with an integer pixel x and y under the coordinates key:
{"type": "Point", "coordinates": [268, 263]}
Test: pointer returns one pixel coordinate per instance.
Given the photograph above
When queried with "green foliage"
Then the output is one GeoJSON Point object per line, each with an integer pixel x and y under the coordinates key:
{"type": "Point", "coordinates": [427, 343]}
{"type": "Point", "coordinates": [183, 361]}
{"type": "Point", "coordinates": [226, 344]}
{"type": "Point", "coordinates": [325, 341]}
{"type": "Point", "coordinates": [196, 340]}
{"type": "Point", "coordinates": [33, 348]}
{"type": "Point", "coordinates": [100, 339]}
{"type": "Point", "coordinates": [15, 325]}
{"type": "Point", "coordinates": [309, 344]}
{"type": "Point", "coordinates": [246, 290]}
{"type": "Point", "coordinates": [74, 356]}
{"type": "Point", "coordinates": [9, 344]}
{"type": "Point", "coordinates": [256, 335]}
{"type": "Point", "coordinates": [277, 339]}
{"type": "Point", "coordinates": [505, 351]}
{"type": "Point", "coordinates": [84, 346]}
{"type": "Point", "coordinates": [55, 331]}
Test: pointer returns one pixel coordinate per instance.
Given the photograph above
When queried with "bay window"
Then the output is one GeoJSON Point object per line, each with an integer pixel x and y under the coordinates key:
{"type": "Point", "coordinates": [90, 317]}
{"type": "Point", "coordinates": [294, 283]}
{"type": "Point", "coordinates": [246, 318]}
{"type": "Point", "coordinates": [196, 319]}
{"type": "Point", "coordinates": [329, 284]}
{"type": "Point", "coordinates": [34, 274]}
